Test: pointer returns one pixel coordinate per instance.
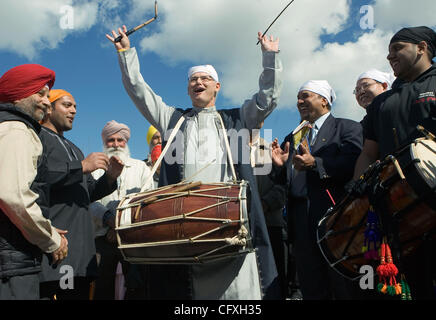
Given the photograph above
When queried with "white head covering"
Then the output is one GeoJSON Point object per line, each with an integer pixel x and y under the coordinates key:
{"type": "Point", "coordinates": [210, 70]}
{"type": "Point", "coordinates": [321, 87]}
{"type": "Point", "coordinates": [379, 76]}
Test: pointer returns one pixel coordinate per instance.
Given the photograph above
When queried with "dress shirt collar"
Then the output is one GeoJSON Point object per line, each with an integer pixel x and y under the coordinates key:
{"type": "Point", "coordinates": [320, 121]}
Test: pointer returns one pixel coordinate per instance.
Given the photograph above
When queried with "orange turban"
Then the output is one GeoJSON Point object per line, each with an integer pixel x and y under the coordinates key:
{"type": "Point", "coordinates": [58, 93]}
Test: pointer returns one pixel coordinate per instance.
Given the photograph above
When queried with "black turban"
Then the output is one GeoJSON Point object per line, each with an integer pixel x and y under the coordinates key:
{"type": "Point", "coordinates": [416, 35]}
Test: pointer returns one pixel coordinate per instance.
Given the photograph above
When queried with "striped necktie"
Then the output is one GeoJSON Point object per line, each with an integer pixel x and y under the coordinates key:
{"type": "Point", "coordinates": [312, 136]}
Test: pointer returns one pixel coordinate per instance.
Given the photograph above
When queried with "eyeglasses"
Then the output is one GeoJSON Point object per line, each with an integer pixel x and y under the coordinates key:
{"type": "Point", "coordinates": [363, 86]}
{"type": "Point", "coordinates": [203, 79]}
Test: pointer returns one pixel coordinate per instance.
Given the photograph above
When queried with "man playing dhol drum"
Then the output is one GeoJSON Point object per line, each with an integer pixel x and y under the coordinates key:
{"type": "Point", "coordinates": [394, 115]}
{"type": "Point", "coordinates": [204, 148]}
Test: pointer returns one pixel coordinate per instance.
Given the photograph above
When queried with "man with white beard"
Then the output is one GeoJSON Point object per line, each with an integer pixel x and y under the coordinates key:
{"type": "Point", "coordinates": [133, 177]}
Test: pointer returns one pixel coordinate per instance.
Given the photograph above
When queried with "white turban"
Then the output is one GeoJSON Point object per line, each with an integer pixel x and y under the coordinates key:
{"type": "Point", "coordinates": [206, 69]}
{"type": "Point", "coordinates": [379, 76]}
{"type": "Point", "coordinates": [321, 87]}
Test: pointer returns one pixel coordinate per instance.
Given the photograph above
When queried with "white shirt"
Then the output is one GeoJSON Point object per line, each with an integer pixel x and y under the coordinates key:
{"type": "Point", "coordinates": [299, 183]}
{"type": "Point", "coordinates": [317, 126]}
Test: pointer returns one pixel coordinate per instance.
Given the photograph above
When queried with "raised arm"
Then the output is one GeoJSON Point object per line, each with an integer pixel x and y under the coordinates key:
{"type": "Point", "coordinates": [146, 101]}
{"type": "Point", "coordinates": [255, 110]}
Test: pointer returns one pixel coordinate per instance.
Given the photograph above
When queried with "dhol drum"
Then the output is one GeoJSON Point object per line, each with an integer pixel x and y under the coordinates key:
{"type": "Point", "coordinates": [402, 187]}
{"type": "Point", "coordinates": [185, 223]}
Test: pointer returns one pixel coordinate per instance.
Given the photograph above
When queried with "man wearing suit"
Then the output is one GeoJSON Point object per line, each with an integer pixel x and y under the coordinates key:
{"type": "Point", "coordinates": [313, 171]}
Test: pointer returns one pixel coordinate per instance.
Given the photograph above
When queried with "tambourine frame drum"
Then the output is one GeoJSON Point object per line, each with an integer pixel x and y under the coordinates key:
{"type": "Point", "coordinates": [184, 224]}
{"type": "Point", "coordinates": [405, 183]}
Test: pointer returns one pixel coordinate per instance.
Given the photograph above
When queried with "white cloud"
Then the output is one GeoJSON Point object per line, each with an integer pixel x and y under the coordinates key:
{"type": "Point", "coordinates": [393, 15]}
{"type": "Point", "coordinates": [32, 25]}
{"type": "Point", "coordinates": [223, 33]}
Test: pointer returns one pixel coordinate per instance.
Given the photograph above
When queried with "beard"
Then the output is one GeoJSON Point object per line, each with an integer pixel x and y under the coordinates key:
{"type": "Point", "coordinates": [122, 153]}
{"type": "Point", "coordinates": [30, 107]}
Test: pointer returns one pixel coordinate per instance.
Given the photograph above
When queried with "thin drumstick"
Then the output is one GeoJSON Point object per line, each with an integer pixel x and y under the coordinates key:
{"type": "Point", "coordinates": [129, 32]}
{"type": "Point", "coordinates": [275, 20]}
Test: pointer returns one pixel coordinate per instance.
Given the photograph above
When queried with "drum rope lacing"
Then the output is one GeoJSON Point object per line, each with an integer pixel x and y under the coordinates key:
{"type": "Point", "coordinates": [240, 239]}
{"type": "Point", "coordinates": [181, 216]}
{"type": "Point", "coordinates": [173, 195]}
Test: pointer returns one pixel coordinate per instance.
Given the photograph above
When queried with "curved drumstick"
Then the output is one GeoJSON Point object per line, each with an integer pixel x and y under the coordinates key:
{"type": "Point", "coordinates": [129, 32]}
{"type": "Point", "coordinates": [275, 20]}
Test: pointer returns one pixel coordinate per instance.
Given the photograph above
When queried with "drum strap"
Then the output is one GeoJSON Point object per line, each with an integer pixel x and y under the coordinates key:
{"type": "Point", "coordinates": [229, 153]}
{"type": "Point", "coordinates": [164, 151]}
{"type": "Point", "coordinates": [170, 140]}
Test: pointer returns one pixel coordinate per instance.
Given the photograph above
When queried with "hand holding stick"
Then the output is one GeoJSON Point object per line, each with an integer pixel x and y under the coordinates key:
{"type": "Point", "coordinates": [118, 39]}
{"type": "Point", "coordinates": [274, 21]}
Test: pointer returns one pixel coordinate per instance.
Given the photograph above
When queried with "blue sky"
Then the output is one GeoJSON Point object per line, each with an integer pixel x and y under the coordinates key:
{"type": "Point", "coordinates": [318, 40]}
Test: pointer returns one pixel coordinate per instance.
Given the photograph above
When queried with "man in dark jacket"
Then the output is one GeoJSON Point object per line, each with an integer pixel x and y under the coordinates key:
{"type": "Point", "coordinates": [24, 232]}
{"type": "Point", "coordinates": [72, 190]}
{"type": "Point", "coordinates": [273, 196]}
{"type": "Point", "coordinates": [316, 169]}
{"type": "Point", "coordinates": [411, 102]}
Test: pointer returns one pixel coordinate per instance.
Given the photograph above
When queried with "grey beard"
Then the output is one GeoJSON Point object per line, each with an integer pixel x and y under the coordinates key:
{"type": "Point", "coordinates": [30, 109]}
{"type": "Point", "coordinates": [122, 153]}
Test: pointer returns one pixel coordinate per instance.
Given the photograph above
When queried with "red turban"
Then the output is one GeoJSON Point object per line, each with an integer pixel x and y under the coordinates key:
{"type": "Point", "coordinates": [24, 80]}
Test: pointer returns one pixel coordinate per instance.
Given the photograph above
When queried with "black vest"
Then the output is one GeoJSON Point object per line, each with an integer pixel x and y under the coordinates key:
{"type": "Point", "coordinates": [17, 255]}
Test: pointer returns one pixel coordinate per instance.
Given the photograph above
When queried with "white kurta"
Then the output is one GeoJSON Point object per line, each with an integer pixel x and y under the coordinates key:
{"type": "Point", "coordinates": [203, 149]}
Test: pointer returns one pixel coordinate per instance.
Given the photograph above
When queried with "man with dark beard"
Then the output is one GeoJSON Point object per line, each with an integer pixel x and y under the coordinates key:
{"type": "Point", "coordinates": [72, 190]}
{"type": "Point", "coordinates": [133, 177]}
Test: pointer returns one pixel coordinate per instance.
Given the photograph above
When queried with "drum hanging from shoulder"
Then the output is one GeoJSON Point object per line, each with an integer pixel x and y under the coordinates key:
{"type": "Point", "coordinates": [184, 223]}
{"type": "Point", "coordinates": [405, 186]}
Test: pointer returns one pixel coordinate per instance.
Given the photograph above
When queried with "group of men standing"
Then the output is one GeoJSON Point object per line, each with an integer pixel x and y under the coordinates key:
{"type": "Point", "coordinates": [54, 197]}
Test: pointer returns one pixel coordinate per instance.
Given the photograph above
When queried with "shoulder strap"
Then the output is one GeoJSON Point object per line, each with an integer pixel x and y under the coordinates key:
{"type": "Point", "coordinates": [229, 153]}
{"type": "Point", "coordinates": [164, 151]}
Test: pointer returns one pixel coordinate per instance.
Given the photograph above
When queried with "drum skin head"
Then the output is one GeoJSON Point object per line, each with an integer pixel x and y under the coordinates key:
{"type": "Point", "coordinates": [424, 150]}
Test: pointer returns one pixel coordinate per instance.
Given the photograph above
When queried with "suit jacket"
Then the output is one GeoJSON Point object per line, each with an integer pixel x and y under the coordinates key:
{"type": "Point", "coordinates": [336, 149]}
